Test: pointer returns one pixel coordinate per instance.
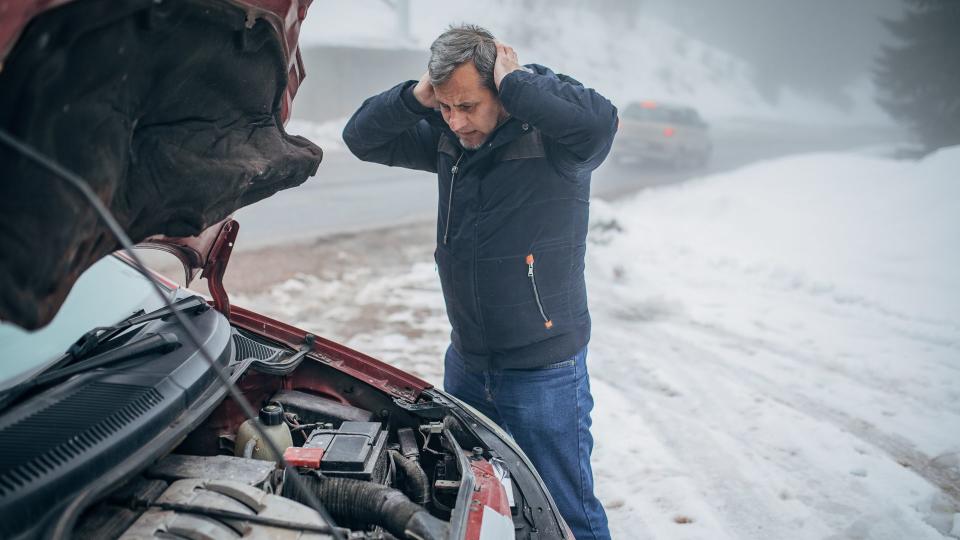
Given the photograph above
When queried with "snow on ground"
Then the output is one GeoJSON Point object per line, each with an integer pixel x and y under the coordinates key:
{"type": "Point", "coordinates": [776, 350]}
{"type": "Point", "coordinates": [789, 336]}
{"type": "Point", "coordinates": [326, 135]}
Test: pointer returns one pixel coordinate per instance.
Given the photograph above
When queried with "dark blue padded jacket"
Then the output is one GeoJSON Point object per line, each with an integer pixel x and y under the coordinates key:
{"type": "Point", "coordinates": [512, 215]}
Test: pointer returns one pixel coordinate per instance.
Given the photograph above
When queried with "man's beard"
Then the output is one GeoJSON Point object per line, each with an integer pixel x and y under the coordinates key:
{"type": "Point", "coordinates": [471, 147]}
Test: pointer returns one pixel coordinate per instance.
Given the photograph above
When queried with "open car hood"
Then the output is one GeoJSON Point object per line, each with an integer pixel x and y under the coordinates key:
{"type": "Point", "coordinates": [172, 111]}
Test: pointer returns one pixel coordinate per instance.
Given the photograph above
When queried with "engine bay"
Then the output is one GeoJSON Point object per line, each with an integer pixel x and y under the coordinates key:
{"type": "Point", "coordinates": [380, 466]}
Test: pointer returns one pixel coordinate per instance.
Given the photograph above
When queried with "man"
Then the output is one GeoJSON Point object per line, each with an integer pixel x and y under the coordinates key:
{"type": "Point", "coordinates": [514, 148]}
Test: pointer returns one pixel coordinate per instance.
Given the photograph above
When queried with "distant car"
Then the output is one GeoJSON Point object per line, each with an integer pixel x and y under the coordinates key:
{"type": "Point", "coordinates": [661, 133]}
{"type": "Point", "coordinates": [112, 423]}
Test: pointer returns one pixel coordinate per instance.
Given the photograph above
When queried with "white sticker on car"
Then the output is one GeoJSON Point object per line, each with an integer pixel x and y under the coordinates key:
{"type": "Point", "coordinates": [495, 526]}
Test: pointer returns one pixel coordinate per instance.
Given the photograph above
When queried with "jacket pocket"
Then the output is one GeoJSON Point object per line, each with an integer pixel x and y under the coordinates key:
{"type": "Point", "coordinates": [524, 302]}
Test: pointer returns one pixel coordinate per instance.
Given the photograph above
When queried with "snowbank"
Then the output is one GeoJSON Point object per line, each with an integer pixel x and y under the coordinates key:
{"type": "Point", "coordinates": [783, 342]}
{"type": "Point", "coordinates": [326, 135]}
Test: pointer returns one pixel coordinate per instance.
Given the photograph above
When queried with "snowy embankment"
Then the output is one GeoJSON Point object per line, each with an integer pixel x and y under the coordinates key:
{"type": "Point", "coordinates": [776, 350]}
{"type": "Point", "coordinates": [782, 345]}
{"type": "Point", "coordinates": [326, 135]}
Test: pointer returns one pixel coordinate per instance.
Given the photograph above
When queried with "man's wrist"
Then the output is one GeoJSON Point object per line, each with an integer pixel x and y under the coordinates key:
{"type": "Point", "coordinates": [512, 71]}
{"type": "Point", "coordinates": [510, 83]}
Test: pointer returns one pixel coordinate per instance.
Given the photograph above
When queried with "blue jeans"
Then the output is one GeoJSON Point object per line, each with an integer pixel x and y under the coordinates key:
{"type": "Point", "coordinates": [547, 411]}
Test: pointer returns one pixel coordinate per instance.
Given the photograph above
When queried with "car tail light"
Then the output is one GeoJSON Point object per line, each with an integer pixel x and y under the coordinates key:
{"type": "Point", "coordinates": [668, 132]}
{"type": "Point", "coordinates": [648, 104]}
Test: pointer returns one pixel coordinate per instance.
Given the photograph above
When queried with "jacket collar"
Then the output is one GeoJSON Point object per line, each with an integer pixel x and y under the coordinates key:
{"type": "Point", "coordinates": [509, 131]}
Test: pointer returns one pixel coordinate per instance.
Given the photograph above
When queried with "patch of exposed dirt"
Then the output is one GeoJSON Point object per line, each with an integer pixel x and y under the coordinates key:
{"type": "Point", "coordinates": [379, 252]}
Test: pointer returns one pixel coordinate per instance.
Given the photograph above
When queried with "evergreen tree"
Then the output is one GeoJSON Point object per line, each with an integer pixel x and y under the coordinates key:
{"type": "Point", "coordinates": [919, 79]}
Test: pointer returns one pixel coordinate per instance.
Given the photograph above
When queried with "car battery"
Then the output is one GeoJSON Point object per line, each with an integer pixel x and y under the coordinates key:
{"type": "Point", "coordinates": [354, 450]}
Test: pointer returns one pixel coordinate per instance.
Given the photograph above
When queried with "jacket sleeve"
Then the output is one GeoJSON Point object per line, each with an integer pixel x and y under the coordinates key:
{"type": "Point", "coordinates": [577, 118]}
{"type": "Point", "coordinates": [391, 129]}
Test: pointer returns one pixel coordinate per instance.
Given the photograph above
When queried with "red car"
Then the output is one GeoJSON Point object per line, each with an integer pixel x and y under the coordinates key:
{"type": "Point", "coordinates": [112, 424]}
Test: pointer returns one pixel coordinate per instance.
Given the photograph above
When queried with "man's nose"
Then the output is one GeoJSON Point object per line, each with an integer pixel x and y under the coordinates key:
{"type": "Point", "coordinates": [457, 120]}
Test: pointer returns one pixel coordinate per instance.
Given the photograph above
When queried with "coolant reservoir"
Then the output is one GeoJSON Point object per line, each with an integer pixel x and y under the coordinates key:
{"type": "Point", "coordinates": [249, 443]}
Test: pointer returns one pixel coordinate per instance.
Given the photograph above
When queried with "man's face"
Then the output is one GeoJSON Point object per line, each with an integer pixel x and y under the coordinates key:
{"type": "Point", "coordinates": [469, 107]}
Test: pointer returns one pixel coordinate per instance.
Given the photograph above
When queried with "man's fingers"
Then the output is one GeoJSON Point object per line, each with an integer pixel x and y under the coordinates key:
{"type": "Point", "coordinates": [506, 62]}
{"type": "Point", "coordinates": [505, 53]}
{"type": "Point", "coordinates": [424, 93]}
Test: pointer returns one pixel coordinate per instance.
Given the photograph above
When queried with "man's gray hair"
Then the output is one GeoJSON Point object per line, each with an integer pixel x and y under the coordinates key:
{"type": "Point", "coordinates": [460, 44]}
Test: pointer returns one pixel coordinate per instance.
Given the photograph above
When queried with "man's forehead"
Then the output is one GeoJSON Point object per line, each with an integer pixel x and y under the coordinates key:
{"type": "Point", "coordinates": [463, 87]}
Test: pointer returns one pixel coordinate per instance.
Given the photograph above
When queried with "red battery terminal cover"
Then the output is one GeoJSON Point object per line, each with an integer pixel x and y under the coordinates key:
{"type": "Point", "coordinates": [296, 456]}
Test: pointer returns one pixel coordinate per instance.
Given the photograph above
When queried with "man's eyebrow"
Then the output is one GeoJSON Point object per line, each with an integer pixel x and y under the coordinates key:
{"type": "Point", "coordinates": [464, 104]}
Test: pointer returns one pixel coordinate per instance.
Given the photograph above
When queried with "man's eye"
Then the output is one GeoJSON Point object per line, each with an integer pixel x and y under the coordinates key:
{"type": "Point", "coordinates": [444, 107]}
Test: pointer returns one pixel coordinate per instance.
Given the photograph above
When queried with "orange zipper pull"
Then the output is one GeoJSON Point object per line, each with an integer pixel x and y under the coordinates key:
{"type": "Point", "coordinates": [536, 294]}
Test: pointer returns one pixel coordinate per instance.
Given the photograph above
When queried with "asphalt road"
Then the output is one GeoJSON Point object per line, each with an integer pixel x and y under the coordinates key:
{"type": "Point", "coordinates": [348, 195]}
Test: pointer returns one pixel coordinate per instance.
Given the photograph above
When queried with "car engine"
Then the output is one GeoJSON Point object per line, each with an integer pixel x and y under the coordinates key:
{"type": "Point", "coordinates": [383, 468]}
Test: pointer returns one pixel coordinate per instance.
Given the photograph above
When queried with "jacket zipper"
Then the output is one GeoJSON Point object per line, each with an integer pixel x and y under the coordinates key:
{"type": "Point", "coordinates": [547, 323]}
{"type": "Point", "coordinates": [453, 177]}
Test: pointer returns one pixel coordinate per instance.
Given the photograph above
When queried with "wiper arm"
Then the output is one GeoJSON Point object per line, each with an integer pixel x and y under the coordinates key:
{"type": "Point", "coordinates": [153, 343]}
{"type": "Point", "coordinates": [73, 358]}
{"type": "Point", "coordinates": [162, 343]}
{"type": "Point", "coordinates": [97, 336]}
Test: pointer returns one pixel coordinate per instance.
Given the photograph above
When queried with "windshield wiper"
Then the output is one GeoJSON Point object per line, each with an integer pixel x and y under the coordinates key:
{"type": "Point", "coordinates": [149, 344]}
{"type": "Point", "coordinates": [75, 360]}
{"type": "Point", "coordinates": [92, 339]}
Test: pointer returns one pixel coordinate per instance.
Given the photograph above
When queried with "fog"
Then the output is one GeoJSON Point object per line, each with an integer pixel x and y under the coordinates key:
{"type": "Point", "coordinates": [821, 47]}
{"type": "Point", "coordinates": [737, 58]}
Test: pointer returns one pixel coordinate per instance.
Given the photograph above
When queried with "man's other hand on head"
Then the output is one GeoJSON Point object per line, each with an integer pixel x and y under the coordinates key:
{"type": "Point", "coordinates": [506, 63]}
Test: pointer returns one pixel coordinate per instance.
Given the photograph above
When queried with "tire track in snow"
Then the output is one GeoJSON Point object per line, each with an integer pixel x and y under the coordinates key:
{"type": "Point", "coordinates": [897, 447]}
{"type": "Point", "coordinates": [704, 428]}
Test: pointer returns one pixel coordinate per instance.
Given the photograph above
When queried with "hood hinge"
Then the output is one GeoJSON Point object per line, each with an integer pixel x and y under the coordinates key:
{"type": "Point", "coordinates": [216, 266]}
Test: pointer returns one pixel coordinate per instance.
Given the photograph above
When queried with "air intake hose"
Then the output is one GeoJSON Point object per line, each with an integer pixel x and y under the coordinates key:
{"type": "Point", "coordinates": [416, 483]}
{"type": "Point", "coordinates": [366, 503]}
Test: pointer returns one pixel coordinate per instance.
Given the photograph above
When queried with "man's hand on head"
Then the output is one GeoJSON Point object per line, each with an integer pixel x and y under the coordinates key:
{"type": "Point", "coordinates": [423, 91]}
{"type": "Point", "coordinates": [506, 63]}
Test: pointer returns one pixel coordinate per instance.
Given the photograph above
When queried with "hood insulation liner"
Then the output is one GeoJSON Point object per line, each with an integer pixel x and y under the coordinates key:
{"type": "Point", "coordinates": [170, 110]}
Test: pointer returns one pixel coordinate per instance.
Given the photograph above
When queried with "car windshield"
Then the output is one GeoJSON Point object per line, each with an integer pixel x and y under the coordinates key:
{"type": "Point", "coordinates": [106, 293]}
